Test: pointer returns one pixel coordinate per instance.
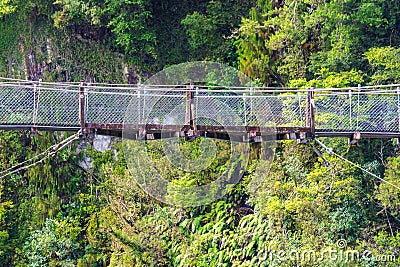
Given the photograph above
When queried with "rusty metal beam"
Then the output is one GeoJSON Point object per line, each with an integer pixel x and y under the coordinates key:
{"type": "Point", "coordinates": [160, 127]}
{"type": "Point", "coordinates": [233, 133]}
{"type": "Point", "coordinates": [82, 102]}
{"type": "Point", "coordinates": [310, 109]}
{"type": "Point", "coordinates": [280, 133]}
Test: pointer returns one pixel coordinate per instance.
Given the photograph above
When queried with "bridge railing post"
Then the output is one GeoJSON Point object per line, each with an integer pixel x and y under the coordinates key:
{"type": "Point", "coordinates": [86, 93]}
{"type": "Point", "coordinates": [307, 121]}
{"type": "Point", "coordinates": [190, 117]}
{"type": "Point", "coordinates": [299, 94]}
{"type": "Point", "coordinates": [82, 108]}
{"type": "Point", "coordinates": [193, 120]}
{"type": "Point", "coordinates": [188, 100]}
{"type": "Point", "coordinates": [244, 109]}
{"type": "Point", "coordinates": [36, 95]}
{"type": "Point", "coordinates": [139, 121]}
{"type": "Point", "coordinates": [251, 106]}
{"type": "Point", "coordinates": [310, 109]}
{"type": "Point", "coordinates": [350, 109]}
{"type": "Point", "coordinates": [197, 106]}
{"type": "Point", "coordinates": [34, 115]}
{"type": "Point", "coordinates": [358, 105]}
{"type": "Point", "coordinates": [144, 108]}
{"type": "Point", "coordinates": [398, 107]}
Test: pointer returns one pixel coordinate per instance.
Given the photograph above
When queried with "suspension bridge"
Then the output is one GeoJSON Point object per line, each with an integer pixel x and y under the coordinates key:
{"type": "Point", "coordinates": [245, 114]}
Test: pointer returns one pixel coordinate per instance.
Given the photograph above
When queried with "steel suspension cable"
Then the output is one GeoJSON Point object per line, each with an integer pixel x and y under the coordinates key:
{"type": "Point", "coordinates": [330, 151]}
{"type": "Point", "coordinates": [50, 152]}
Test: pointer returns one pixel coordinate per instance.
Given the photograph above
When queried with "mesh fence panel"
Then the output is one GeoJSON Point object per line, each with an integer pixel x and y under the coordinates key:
{"type": "Point", "coordinates": [366, 112]}
{"type": "Point", "coordinates": [16, 105]}
{"type": "Point", "coordinates": [164, 107]}
{"type": "Point", "coordinates": [289, 110]}
{"type": "Point", "coordinates": [57, 108]}
{"type": "Point", "coordinates": [220, 108]}
{"type": "Point", "coordinates": [252, 110]}
{"type": "Point", "coordinates": [107, 108]}
{"type": "Point", "coordinates": [378, 113]}
{"type": "Point", "coordinates": [332, 112]}
{"type": "Point", "coordinates": [155, 107]}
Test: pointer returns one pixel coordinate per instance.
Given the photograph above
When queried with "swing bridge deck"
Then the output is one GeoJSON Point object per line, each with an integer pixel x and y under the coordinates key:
{"type": "Point", "coordinates": [241, 114]}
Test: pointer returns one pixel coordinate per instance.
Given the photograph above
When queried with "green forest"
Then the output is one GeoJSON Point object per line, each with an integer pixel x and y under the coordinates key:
{"type": "Point", "coordinates": [58, 213]}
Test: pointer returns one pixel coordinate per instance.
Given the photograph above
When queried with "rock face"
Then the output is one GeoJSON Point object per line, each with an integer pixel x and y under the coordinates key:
{"type": "Point", "coordinates": [86, 163]}
{"type": "Point", "coordinates": [102, 143]}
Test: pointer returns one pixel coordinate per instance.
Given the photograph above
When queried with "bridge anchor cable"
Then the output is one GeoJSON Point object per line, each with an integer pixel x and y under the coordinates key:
{"type": "Point", "coordinates": [330, 151]}
{"type": "Point", "coordinates": [50, 152]}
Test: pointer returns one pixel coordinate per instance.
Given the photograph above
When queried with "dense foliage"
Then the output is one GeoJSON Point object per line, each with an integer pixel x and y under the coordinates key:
{"type": "Point", "coordinates": [61, 214]}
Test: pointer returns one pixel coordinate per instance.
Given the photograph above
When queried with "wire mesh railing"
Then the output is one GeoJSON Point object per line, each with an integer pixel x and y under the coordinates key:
{"type": "Point", "coordinates": [364, 109]}
{"type": "Point", "coordinates": [358, 109]}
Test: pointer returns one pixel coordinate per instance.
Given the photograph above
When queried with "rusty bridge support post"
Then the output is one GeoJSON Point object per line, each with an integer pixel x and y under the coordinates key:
{"type": "Point", "coordinates": [190, 117]}
{"type": "Point", "coordinates": [82, 108]}
{"type": "Point", "coordinates": [193, 120]}
{"type": "Point", "coordinates": [310, 108]}
{"type": "Point", "coordinates": [188, 101]}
